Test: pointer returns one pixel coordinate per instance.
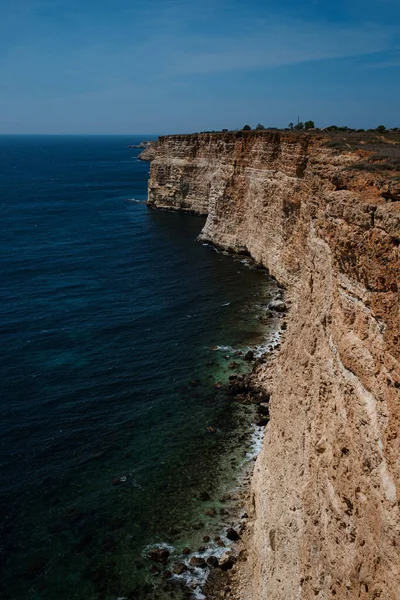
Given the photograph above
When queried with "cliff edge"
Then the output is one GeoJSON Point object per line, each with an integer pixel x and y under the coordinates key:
{"type": "Point", "coordinates": [325, 517]}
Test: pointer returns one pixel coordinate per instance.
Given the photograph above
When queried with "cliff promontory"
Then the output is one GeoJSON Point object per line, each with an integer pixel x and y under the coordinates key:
{"type": "Point", "coordinates": [325, 490]}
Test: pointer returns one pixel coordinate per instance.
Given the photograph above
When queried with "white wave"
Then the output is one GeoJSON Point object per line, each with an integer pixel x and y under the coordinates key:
{"type": "Point", "coordinates": [256, 443]}
{"type": "Point", "coordinates": [154, 546]}
{"type": "Point", "coordinates": [195, 577]}
{"type": "Point", "coordinates": [269, 344]}
{"type": "Point", "coordinates": [226, 349]}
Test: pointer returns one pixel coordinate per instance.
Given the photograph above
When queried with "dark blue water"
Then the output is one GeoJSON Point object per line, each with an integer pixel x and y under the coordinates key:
{"type": "Point", "coordinates": [108, 384]}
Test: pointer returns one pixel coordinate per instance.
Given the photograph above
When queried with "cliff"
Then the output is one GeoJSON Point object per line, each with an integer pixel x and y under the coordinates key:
{"type": "Point", "coordinates": [325, 489]}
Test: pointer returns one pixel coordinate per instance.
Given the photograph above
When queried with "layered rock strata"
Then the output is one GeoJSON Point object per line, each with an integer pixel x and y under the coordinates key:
{"type": "Point", "coordinates": [325, 489]}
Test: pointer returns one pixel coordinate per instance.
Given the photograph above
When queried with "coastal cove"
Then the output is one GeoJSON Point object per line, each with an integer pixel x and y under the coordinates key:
{"type": "Point", "coordinates": [120, 333]}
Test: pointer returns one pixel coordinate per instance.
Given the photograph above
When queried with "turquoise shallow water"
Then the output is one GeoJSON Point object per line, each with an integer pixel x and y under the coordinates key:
{"type": "Point", "coordinates": [108, 313]}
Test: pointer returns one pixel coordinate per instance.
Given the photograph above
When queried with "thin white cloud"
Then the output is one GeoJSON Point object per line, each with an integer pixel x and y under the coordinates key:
{"type": "Point", "coordinates": [392, 60]}
{"type": "Point", "coordinates": [277, 45]}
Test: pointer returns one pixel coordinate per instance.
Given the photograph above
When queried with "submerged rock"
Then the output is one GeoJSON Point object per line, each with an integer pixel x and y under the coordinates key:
{"type": "Point", "coordinates": [155, 570]}
{"type": "Point", "coordinates": [167, 575]}
{"type": "Point", "coordinates": [160, 555]}
{"type": "Point", "coordinates": [263, 408]}
{"type": "Point", "coordinates": [203, 496]}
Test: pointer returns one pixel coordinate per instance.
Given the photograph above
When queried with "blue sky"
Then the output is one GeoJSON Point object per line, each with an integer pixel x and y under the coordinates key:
{"type": "Point", "coordinates": [165, 66]}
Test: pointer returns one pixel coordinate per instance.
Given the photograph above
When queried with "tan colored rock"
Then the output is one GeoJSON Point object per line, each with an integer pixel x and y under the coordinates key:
{"type": "Point", "coordinates": [325, 515]}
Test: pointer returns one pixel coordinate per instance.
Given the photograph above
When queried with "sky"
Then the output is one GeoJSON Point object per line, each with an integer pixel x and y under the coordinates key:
{"type": "Point", "coordinates": [175, 66]}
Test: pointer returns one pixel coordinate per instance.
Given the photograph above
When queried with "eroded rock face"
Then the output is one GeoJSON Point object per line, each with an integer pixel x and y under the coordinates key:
{"type": "Point", "coordinates": [326, 484]}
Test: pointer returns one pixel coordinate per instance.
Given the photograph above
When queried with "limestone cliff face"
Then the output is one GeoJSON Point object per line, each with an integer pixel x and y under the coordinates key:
{"type": "Point", "coordinates": [326, 517]}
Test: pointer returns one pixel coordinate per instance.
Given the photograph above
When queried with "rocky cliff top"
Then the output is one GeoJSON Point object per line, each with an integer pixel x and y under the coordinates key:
{"type": "Point", "coordinates": [374, 156]}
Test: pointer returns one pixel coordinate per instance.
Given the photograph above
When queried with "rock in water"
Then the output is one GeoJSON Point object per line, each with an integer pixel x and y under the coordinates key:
{"type": "Point", "coordinates": [213, 561]}
{"type": "Point", "coordinates": [232, 535]}
{"type": "Point", "coordinates": [160, 555]}
{"type": "Point", "coordinates": [278, 305]}
{"type": "Point", "coordinates": [179, 568]}
{"type": "Point", "coordinates": [203, 496]}
{"type": "Point", "coordinates": [226, 561]}
{"type": "Point", "coordinates": [197, 561]}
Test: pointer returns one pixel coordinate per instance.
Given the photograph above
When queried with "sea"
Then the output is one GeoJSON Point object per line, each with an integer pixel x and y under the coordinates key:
{"type": "Point", "coordinates": [119, 332]}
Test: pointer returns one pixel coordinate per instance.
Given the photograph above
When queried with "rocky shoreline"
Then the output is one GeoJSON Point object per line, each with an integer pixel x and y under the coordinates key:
{"type": "Point", "coordinates": [209, 572]}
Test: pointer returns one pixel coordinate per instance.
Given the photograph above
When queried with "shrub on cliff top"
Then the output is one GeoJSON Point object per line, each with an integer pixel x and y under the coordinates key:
{"type": "Point", "coordinates": [247, 128]}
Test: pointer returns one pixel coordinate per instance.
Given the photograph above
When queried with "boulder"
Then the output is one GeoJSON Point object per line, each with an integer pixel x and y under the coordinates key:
{"type": "Point", "coordinates": [227, 561]}
{"type": "Point", "coordinates": [213, 561]}
{"type": "Point", "coordinates": [232, 535]}
{"type": "Point", "coordinates": [197, 561]}
{"type": "Point", "coordinates": [179, 568]}
{"type": "Point", "coordinates": [263, 408]}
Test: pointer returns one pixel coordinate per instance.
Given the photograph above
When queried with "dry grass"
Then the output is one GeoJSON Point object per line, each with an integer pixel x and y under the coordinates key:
{"type": "Point", "coordinates": [382, 150]}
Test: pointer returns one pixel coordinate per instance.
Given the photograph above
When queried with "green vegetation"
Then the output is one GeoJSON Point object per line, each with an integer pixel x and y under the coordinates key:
{"type": "Point", "coordinates": [260, 127]}
{"type": "Point", "coordinates": [247, 128]}
{"type": "Point", "coordinates": [301, 125]}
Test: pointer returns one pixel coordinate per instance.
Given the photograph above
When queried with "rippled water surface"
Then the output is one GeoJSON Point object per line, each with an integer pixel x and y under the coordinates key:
{"type": "Point", "coordinates": [111, 419]}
